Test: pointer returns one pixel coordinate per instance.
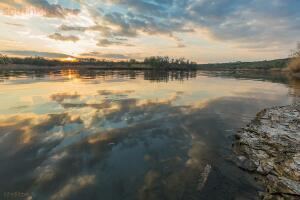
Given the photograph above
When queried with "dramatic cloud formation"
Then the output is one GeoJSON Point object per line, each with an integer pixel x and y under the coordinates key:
{"type": "Point", "coordinates": [248, 21]}
{"type": "Point", "coordinates": [255, 28]}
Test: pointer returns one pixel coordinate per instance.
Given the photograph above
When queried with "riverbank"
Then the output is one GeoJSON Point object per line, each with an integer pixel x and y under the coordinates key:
{"type": "Point", "coordinates": [37, 64]}
{"type": "Point", "coordinates": [26, 67]}
{"type": "Point", "coordinates": [269, 147]}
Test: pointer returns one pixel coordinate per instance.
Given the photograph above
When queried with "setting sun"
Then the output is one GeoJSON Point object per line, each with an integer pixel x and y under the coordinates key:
{"type": "Point", "coordinates": [69, 59]}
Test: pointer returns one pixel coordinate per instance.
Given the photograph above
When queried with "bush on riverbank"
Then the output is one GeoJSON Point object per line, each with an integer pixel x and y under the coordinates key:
{"type": "Point", "coordinates": [294, 65]}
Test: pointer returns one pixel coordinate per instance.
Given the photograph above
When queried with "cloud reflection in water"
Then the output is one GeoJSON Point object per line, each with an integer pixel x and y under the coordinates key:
{"type": "Point", "coordinates": [128, 140]}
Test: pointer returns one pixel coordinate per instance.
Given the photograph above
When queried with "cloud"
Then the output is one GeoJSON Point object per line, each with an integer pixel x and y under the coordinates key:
{"type": "Point", "coordinates": [105, 31]}
{"type": "Point", "coordinates": [60, 97]}
{"type": "Point", "coordinates": [106, 43]}
{"type": "Point", "coordinates": [181, 45]}
{"type": "Point", "coordinates": [74, 185]}
{"type": "Point", "coordinates": [53, 10]}
{"type": "Point", "coordinates": [35, 53]}
{"type": "Point", "coordinates": [130, 24]}
{"type": "Point", "coordinates": [42, 7]}
{"type": "Point", "coordinates": [262, 25]}
{"type": "Point", "coordinates": [14, 24]}
{"type": "Point", "coordinates": [58, 36]}
{"type": "Point", "coordinates": [114, 92]}
{"type": "Point", "coordinates": [147, 7]}
{"type": "Point", "coordinates": [105, 55]}
{"type": "Point", "coordinates": [139, 19]}
{"type": "Point", "coordinates": [273, 23]}
{"type": "Point", "coordinates": [115, 56]}
{"type": "Point", "coordinates": [247, 21]}
{"type": "Point", "coordinates": [72, 28]}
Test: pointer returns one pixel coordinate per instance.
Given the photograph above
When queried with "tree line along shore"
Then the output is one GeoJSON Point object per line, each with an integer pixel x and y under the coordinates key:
{"type": "Point", "coordinates": [157, 62]}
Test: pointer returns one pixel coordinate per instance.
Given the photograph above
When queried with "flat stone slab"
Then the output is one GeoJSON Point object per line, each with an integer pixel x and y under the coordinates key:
{"type": "Point", "coordinates": [270, 147]}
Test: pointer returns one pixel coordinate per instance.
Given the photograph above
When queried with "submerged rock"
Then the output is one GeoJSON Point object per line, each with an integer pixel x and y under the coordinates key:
{"type": "Point", "coordinates": [204, 177]}
{"type": "Point", "coordinates": [270, 147]}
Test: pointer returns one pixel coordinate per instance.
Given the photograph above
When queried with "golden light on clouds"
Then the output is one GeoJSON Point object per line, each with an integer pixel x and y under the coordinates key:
{"type": "Point", "coordinates": [202, 31]}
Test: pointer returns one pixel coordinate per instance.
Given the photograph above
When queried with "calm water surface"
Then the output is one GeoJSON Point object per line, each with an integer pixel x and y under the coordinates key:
{"type": "Point", "coordinates": [128, 135]}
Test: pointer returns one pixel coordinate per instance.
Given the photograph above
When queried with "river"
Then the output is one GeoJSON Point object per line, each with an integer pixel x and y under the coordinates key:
{"type": "Point", "coordinates": [94, 134]}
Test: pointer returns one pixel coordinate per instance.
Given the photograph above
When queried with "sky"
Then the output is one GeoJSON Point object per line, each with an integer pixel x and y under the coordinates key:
{"type": "Point", "coordinates": [204, 31]}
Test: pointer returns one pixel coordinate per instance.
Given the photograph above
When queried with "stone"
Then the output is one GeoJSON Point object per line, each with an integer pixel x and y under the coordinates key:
{"type": "Point", "coordinates": [270, 147]}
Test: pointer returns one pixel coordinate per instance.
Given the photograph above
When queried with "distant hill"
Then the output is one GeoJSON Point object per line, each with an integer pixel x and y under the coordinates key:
{"type": "Point", "coordinates": [257, 65]}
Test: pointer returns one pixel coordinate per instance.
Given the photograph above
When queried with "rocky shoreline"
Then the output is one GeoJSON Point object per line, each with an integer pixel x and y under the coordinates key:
{"type": "Point", "coordinates": [269, 147]}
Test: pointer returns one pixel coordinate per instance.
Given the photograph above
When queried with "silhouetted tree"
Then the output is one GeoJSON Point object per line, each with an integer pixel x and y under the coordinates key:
{"type": "Point", "coordinates": [4, 59]}
{"type": "Point", "coordinates": [166, 62]}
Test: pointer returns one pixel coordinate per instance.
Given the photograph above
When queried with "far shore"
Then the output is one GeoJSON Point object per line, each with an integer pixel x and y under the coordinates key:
{"type": "Point", "coordinates": [127, 67]}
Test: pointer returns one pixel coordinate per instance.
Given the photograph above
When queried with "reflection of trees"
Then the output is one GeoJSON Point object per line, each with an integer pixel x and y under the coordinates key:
{"type": "Point", "coordinates": [152, 75]}
{"type": "Point", "coordinates": [294, 84]}
{"type": "Point", "coordinates": [165, 76]}
{"type": "Point", "coordinates": [275, 77]}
